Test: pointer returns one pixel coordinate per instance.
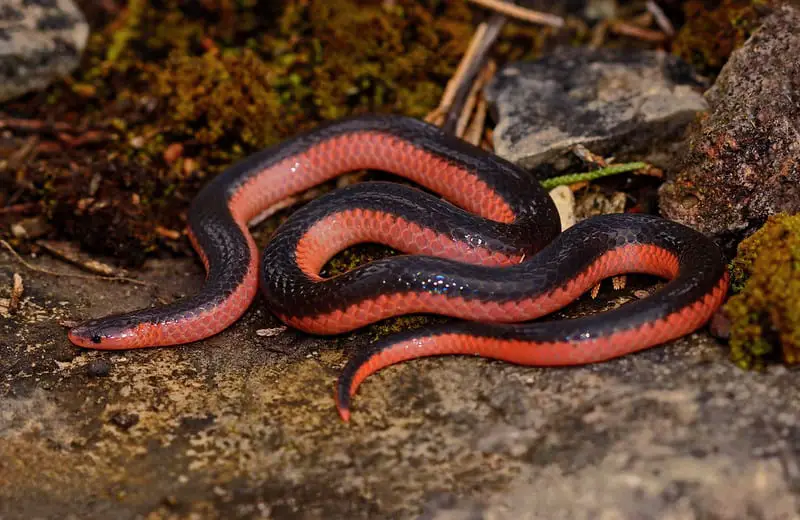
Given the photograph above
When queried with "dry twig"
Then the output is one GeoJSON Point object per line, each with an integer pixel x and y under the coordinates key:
{"type": "Point", "coordinates": [521, 13]}
{"type": "Point", "coordinates": [438, 114]}
{"type": "Point", "coordinates": [588, 156]}
{"type": "Point", "coordinates": [661, 19]}
{"type": "Point", "coordinates": [71, 275]}
{"type": "Point", "coordinates": [460, 95]}
{"type": "Point", "coordinates": [626, 29]}
{"type": "Point", "coordinates": [61, 251]}
{"type": "Point", "coordinates": [473, 67]}
{"type": "Point", "coordinates": [167, 233]}
{"type": "Point", "coordinates": [16, 294]}
{"type": "Point", "coordinates": [66, 133]}
{"type": "Point", "coordinates": [88, 137]}
{"type": "Point", "coordinates": [599, 33]}
{"type": "Point", "coordinates": [23, 208]}
{"type": "Point", "coordinates": [472, 98]}
{"type": "Point", "coordinates": [475, 131]}
{"type": "Point", "coordinates": [33, 125]}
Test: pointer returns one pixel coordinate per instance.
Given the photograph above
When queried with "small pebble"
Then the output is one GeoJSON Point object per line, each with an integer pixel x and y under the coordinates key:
{"type": "Point", "coordinates": [268, 333]}
{"type": "Point", "coordinates": [33, 227]}
{"type": "Point", "coordinates": [124, 420]}
{"type": "Point", "coordinates": [720, 325]}
{"type": "Point", "coordinates": [565, 204]}
{"type": "Point", "coordinates": [99, 368]}
{"type": "Point", "coordinates": [64, 353]}
{"type": "Point", "coordinates": [173, 152]}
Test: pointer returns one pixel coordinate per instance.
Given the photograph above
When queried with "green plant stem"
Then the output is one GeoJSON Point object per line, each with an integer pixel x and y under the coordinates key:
{"type": "Point", "coordinates": [592, 175]}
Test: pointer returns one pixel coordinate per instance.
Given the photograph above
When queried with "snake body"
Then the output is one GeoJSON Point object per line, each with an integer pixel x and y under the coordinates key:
{"type": "Point", "coordinates": [490, 253]}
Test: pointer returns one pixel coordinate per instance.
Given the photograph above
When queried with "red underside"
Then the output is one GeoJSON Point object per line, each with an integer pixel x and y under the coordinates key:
{"type": "Point", "coordinates": [315, 251]}
{"type": "Point", "coordinates": [326, 160]}
{"type": "Point", "coordinates": [555, 353]}
{"type": "Point", "coordinates": [349, 227]}
{"type": "Point", "coordinates": [379, 151]}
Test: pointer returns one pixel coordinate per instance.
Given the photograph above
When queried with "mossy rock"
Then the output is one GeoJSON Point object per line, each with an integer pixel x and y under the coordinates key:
{"type": "Point", "coordinates": [765, 314]}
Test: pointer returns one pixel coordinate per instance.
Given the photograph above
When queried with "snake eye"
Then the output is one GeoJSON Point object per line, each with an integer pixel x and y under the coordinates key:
{"type": "Point", "coordinates": [96, 338]}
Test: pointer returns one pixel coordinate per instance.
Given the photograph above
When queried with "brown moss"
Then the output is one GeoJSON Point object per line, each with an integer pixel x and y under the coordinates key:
{"type": "Point", "coordinates": [709, 36]}
{"type": "Point", "coordinates": [765, 314]}
{"type": "Point", "coordinates": [325, 60]}
{"type": "Point", "coordinates": [213, 96]}
{"type": "Point", "coordinates": [222, 78]}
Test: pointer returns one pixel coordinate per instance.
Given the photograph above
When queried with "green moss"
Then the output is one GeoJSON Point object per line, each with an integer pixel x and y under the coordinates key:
{"type": "Point", "coordinates": [765, 314]}
{"type": "Point", "coordinates": [129, 30]}
{"type": "Point", "coordinates": [351, 258]}
{"type": "Point", "coordinates": [213, 96]}
{"type": "Point", "coordinates": [324, 60]}
{"type": "Point", "coordinates": [224, 78]}
{"type": "Point", "coordinates": [709, 36]}
{"type": "Point", "coordinates": [229, 79]}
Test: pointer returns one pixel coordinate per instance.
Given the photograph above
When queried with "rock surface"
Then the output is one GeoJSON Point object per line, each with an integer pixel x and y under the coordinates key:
{"type": "Point", "coordinates": [243, 425]}
{"type": "Point", "coordinates": [607, 100]}
{"type": "Point", "coordinates": [40, 40]}
{"type": "Point", "coordinates": [744, 159]}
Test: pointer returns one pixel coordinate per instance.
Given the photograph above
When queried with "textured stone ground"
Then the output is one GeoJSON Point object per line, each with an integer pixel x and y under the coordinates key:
{"type": "Point", "coordinates": [244, 426]}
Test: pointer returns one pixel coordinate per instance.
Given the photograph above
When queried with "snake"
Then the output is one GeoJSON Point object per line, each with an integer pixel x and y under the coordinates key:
{"type": "Point", "coordinates": [480, 241]}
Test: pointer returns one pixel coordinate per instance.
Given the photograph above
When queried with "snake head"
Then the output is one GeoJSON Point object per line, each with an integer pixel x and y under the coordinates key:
{"type": "Point", "coordinates": [109, 333]}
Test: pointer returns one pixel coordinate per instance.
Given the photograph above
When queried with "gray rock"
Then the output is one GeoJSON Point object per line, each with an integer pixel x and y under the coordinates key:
{"type": "Point", "coordinates": [40, 40]}
{"type": "Point", "coordinates": [610, 101]}
{"type": "Point", "coordinates": [744, 158]}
